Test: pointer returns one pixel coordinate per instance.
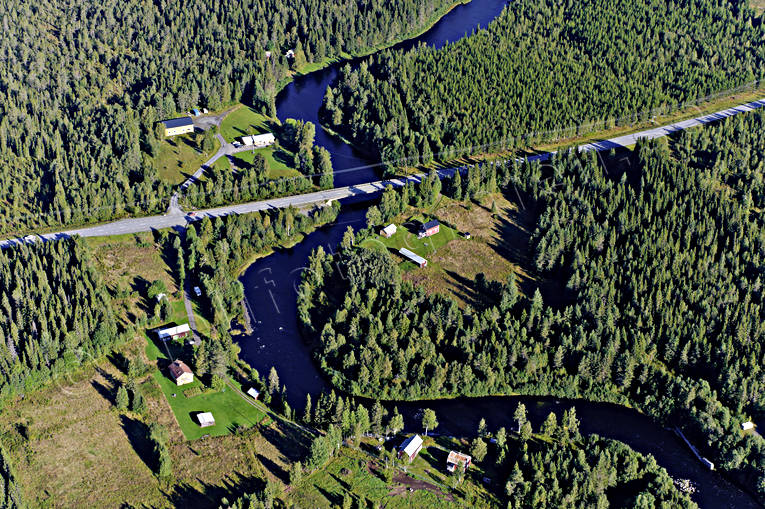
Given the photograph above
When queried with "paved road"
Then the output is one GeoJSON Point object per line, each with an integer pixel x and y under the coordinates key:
{"type": "Point", "coordinates": [176, 219]}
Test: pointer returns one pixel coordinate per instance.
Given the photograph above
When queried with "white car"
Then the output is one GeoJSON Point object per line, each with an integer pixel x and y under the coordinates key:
{"type": "Point", "coordinates": [197, 291]}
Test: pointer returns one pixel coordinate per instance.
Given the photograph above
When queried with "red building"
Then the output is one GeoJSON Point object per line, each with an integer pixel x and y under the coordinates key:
{"type": "Point", "coordinates": [429, 228]}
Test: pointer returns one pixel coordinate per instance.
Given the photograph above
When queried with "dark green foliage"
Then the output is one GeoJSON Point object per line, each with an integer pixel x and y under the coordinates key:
{"type": "Point", "coordinates": [158, 435]}
{"type": "Point", "coordinates": [663, 307]}
{"type": "Point", "coordinates": [10, 495]}
{"type": "Point", "coordinates": [55, 313]}
{"type": "Point", "coordinates": [594, 473]}
{"type": "Point", "coordinates": [542, 68]}
{"type": "Point", "coordinates": [122, 398]}
{"type": "Point", "coordinates": [82, 86]}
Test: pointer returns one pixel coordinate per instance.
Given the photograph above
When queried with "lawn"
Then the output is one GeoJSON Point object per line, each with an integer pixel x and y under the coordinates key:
{"type": "Point", "coordinates": [229, 409]}
{"type": "Point", "coordinates": [179, 157]}
{"type": "Point", "coordinates": [278, 160]}
{"type": "Point", "coordinates": [243, 121]}
{"type": "Point", "coordinates": [405, 238]}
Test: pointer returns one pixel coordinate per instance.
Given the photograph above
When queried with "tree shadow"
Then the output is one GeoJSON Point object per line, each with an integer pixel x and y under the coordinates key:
{"type": "Point", "coordinates": [104, 391]}
{"type": "Point", "coordinates": [275, 469]}
{"type": "Point", "coordinates": [335, 499]}
{"type": "Point", "coordinates": [137, 433]}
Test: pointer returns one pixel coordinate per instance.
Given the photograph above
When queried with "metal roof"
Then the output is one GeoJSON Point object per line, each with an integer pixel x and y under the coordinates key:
{"type": "Point", "coordinates": [419, 260]}
{"type": "Point", "coordinates": [178, 122]}
{"type": "Point", "coordinates": [411, 445]}
{"type": "Point", "coordinates": [430, 224]}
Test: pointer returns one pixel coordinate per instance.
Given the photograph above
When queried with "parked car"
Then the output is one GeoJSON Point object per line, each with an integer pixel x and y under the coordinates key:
{"type": "Point", "coordinates": [197, 291]}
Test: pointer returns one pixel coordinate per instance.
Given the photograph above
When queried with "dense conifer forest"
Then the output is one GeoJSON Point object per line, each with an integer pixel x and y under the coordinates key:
{"type": "Point", "coordinates": [55, 314]}
{"type": "Point", "coordinates": [660, 263]}
{"type": "Point", "coordinates": [542, 68]}
{"type": "Point", "coordinates": [82, 85]}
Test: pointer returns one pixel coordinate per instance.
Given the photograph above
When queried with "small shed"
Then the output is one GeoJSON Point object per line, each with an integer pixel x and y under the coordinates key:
{"type": "Point", "coordinates": [196, 112]}
{"type": "Point", "coordinates": [747, 425]}
{"type": "Point", "coordinates": [180, 372]}
{"type": "Point", "coordinates": [455, 459]}
{"type": "Point", "coordinates": [177, 332]}
{"type": "Point", "coordinates": [388, 231]}
{"type": "Point", "coordinates": [410, 448]}
{"type": "Point", "coordinates": [419, 260]}
{"type": "Point", "coordinates": [206, 419]}
{"type": "Point", "coordinates": [430, 228]}
{"type": "Point", "coordinates": [253, 393]}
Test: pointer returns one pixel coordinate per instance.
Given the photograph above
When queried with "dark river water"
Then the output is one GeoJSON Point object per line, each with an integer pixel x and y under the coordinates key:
{"type": "Point", "coordinates": [270, 291]}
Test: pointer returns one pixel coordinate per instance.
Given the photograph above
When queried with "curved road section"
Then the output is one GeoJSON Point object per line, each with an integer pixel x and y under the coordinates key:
{"type": "Point", "coordinates": [175, 218]}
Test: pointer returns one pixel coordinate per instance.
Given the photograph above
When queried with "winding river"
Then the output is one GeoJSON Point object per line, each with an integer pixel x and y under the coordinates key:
{"type": "Point", "coordinates": [270, 290]}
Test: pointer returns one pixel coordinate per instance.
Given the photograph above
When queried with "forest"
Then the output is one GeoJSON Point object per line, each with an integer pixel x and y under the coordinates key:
{"type": "Point", "coordinates": [83, 84]}
{"type": "Point", "coordinates": [55, 314]}
{"type": "Point", "coordinates": [545, 70]}
{"type": "Point", "coordinates": [660, 264]}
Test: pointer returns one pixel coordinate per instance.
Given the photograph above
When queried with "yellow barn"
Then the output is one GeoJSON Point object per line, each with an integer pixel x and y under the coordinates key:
{"type": "Point", "coordinates": [176, 126]}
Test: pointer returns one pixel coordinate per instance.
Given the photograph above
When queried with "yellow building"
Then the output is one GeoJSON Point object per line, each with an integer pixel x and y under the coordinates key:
{"type": "Point", "coordinates": [176, 126]}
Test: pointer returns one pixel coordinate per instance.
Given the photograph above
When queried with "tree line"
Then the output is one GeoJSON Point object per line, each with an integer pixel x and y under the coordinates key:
{"type": "Point", "coordinates": [541, 69]}
{"type": "Point", "coordinates": [82, 86]}
{"type": "Point", "coordinates": [660, 263]}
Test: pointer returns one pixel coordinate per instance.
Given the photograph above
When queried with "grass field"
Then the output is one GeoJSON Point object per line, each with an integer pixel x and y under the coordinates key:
{"type": "Point", "coordinates": [130, 263]}
{"type": "Point", "coordinates": [359, 474]}
{"type": "Point", "coordinates": [82, 452]}
{"type": "Point", "coordinates": [243, 121]}
{"type": "Point", "coordinates": [278, 160]}
{"type": "Point", "coordinates": [497, 247]}
{"type": "Point", "coordinates": [179, 157]}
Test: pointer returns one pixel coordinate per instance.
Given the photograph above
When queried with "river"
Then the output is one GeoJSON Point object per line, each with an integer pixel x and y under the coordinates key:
{"type": "Point", "coordinates": [270, 291]}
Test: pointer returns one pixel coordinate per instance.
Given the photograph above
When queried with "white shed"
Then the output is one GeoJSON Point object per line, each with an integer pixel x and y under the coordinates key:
{"type": "Point", "coordinates": [206, 419]}
{"type": "Point", "coordinates": [747, 425]}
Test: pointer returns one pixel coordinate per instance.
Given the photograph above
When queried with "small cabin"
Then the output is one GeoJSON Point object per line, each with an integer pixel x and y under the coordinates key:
{"type": "Point", "coordinates": [389, 231]}
{"type": "Point", "coordinates": [745, 426]}
{"type": "Point", "coordinates": [456, 459]}
{"type": "Point", "coordinates": [253, 393]}
{"type": "Point", "coordinates": [429, 229]}
{"type": "Point", "coordinates": [180, 373]}
{"type": "Point", "coordinates": [410, 448]}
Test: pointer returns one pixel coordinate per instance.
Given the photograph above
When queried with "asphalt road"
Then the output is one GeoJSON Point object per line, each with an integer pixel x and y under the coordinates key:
{"type": "Point", "coordinates": [175, 218]}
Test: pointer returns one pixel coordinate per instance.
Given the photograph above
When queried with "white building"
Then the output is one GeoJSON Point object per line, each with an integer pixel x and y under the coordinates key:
{"type": "Point", "coordinates": [388, 231]}
{"type": "Point", "coordinates": [410, 447]}
{"type": "Point", "coordinates": [206, 419]}
{"type": "Point", "coordinates": [259, 140]}
{"type": "Point", "coordinates": [419, 260]}
{"type": "Point", "coordinates": [179, 331]}
{"type": "Point", "coordinates": [747, 425]}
